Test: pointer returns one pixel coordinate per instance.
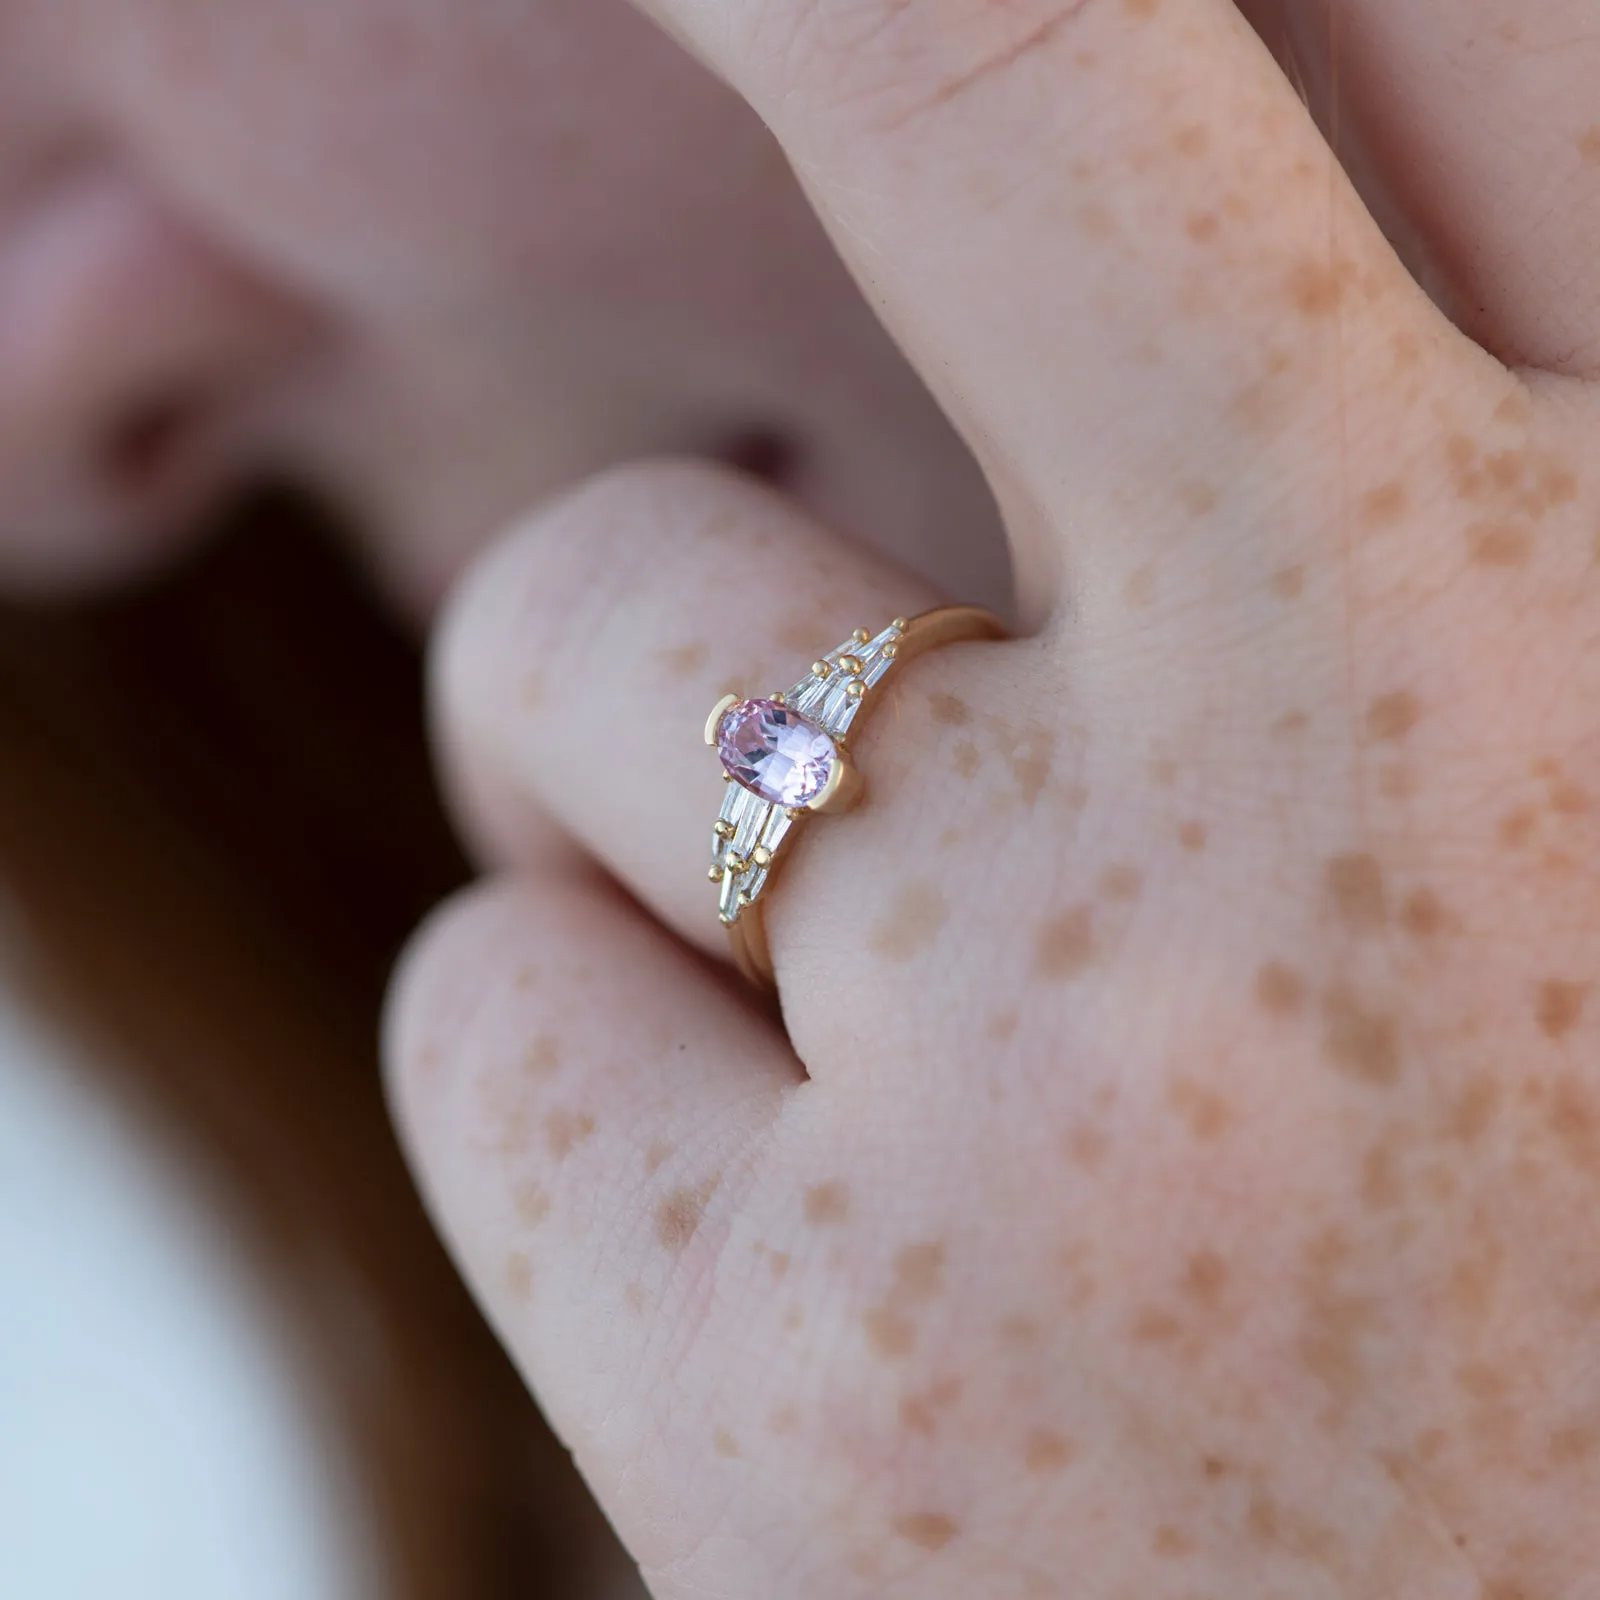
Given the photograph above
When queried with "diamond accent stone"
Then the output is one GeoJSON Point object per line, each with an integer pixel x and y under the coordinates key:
{"type": "Point", "coordinates": [775, 752]}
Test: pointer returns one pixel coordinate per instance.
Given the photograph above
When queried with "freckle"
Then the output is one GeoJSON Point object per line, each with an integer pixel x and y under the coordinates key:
{"type": "Point", "coordinates": [1380, 1183]}
{"type": "Point", "coordinates": [1214, 1467]}
{"type": "Point", "coordinates": [1560, 1007]}
{"type": "Point", "coordinates": [966, 758]}
{"type": "Point", "coordinates": [1065, 947]}
{"type": "Point", "coordinates": [827, 1205]}
{"type": "Point", "coordinates": [1202, 227]}
{"type": "Point", "coordinates": [519, 1276]}
{"type": "Point", "coordinates": [1193, 140]}
{"type": "Point", "coordinates": [1516, 827]}
{"type": "Point", "coordinates": [1164, 773]}
{"type": "Point", "coordinates": [1494, 544]}
{"type": "Point", "coordinates": [1086, 1146]}
{"type": "Point", "coordinates": [1574, 1444]}
{"type": "Point", "coordinates": [1120, 882]}
{"type": "Point", "coordinates": [919, 1271]}
{"type": "Point", "coordinates": [889, 1334]}
{"type": "Point", "coordinates": [784, 1420]}
{"type": "Point", "coordinates": [1357, 1042]}
{"type": "Point", "coordinates": [1280, 991]}
{"type": "Point", "coordinates": [1289, 583]}
{"type": "Point", "coordinates": [1355, 888]}
{"type": "Point", "coordinates": [678, 1217]}
{"type": "Point", "coordinates": [793, 1320]}
{"type": "Point", "coordinates": [1031, 766]}
{"type": "Point", "coordinates": [1020, 1330]}
{"type": "Point", "coordinates": [1198, 498]}
{"type": "Point", "coordinates": [1385, 505]}
{"type": "Point", "coordinates": [1392, 716]}
{"type": "Point", "coordinates": [1192, 836]}
{"type": "Point", "coordinates": [914, 920]}
{"type": "Point", "coordinates": [527, 977]}
{"type": "Point", "coordinates": [1292, 722]}
{"type": "Point", "coordinates": [1474, 1110]}
{"type": "Point", "coordinates": [1207, 1113]}
{"type": "Point", "coordinates": [685, 659]}
{"type": "Point", "coordinates": [532, 693]}
{"type": "Point", "coordinates": [1047, 1451]}
{"type": "Point", "coordinates": [1153, 1326]}
{"type": "Point", "coordinates": [1170, 1543]}
{"type": "Point", "coordinates": [1096, 221]}
{"type": "Point", "coordinates": [634, 1296]}
{"type": "Point", "coordinates": [656, 1157]}
{"type": "Point", "coordinates": [951, 710]}
{"type": "Point", "coordinates": [930, 1529]}
{"type": "Point", "coordinates": [1140, 588]}
{"type": "Point", "coordinates": [1002, 1026]}
{"type": "Point", "coordinates": [564, 1131]}
{"type": "Point", "coordinates": [1140, 9]}
{"type": "Point", "coordinates": [543, 1058]}
{"type": "Point", "coordinates": [531, 1202]}
{"type": "Point", "coordinates": [1567, 799]}
{"type": "Point", "coordinates": [1206, 1277]}
{"type": "Point", "coordinates": [1422, 915]}
{"type": "Point", "coordinates": [1315, 289]}
{"type": "Point", "coordinates": [1560, 486]}
{"type": "Point", "coordinates": [1085, 60]}
{"type": "Point", "coordinates": [1407, 350]}
{"type": "Point", "coordinates": [725, 1443]}
{"type": "Point", "coordinates": [1589, 144]}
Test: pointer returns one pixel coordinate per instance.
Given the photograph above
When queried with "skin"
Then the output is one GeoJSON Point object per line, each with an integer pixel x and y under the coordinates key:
{"type": "Point", "coordinates": [1171, 1176]}
{"type": "Point", "coordinates": [1171, 1173]}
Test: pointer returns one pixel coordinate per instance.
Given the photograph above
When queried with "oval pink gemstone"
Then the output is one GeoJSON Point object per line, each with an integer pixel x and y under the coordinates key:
{"type": "Point", "coordinates": [773, 751]}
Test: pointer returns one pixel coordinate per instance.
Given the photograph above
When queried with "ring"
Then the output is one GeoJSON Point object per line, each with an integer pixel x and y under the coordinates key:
{"type": "Point", "coordinates": [787, 757]}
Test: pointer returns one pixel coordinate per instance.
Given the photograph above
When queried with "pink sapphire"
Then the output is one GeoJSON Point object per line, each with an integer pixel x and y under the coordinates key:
{"type": "Point", "coordinates": [774, 752]}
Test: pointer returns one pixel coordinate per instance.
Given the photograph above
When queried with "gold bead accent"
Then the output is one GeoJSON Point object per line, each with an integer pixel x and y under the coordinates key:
{"type": "Point", "coordinates": [795, 813]}
{"type": "Point", "coordinates": [899, 624]}
{"type": "Point", "coordinates": [725, 829]}
{"type": "Point", "coordinates": [776, 697]}
{"type": "Point", "coordinates": [744, 898]}
{"type": "Point", "coordinates": [761, 856]}
{"type": "Point", "coordinates": [735, 864]}
{"type": "Point", "coordinates": [821, 669]}
{"type": "Point", "coordinates": [715, 874]}
{"type": "Point", "coordinates": [851, 664]}
{"type": "Point", "coordinates": [856, 690]}
{"type": "Point", "coordinates": [861, 636]}
{"type": "Point", "coordinates": [889, 652]}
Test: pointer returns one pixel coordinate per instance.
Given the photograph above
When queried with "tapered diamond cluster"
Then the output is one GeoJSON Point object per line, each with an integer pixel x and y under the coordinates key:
{"type": "Point", "coordinates": [778, 755]}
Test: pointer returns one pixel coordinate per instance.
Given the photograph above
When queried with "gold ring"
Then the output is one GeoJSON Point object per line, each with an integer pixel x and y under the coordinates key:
{"type": "Point", "coordinates": [787, 757]}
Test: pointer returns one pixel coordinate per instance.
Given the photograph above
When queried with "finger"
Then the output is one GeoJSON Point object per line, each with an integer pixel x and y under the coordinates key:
{"type": "Point", "coordinates": [1105, 230]}
{"type": "Point", "coordinates": [578, 662]}
{"type": "Point", "coordinates": [1472, 124]}
{"type": "Point", "coordinates": [587, 1159]}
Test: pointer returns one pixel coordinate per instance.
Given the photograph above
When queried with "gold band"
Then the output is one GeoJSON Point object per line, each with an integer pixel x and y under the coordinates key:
{"type": "Point", "coordinates": [754, 835]}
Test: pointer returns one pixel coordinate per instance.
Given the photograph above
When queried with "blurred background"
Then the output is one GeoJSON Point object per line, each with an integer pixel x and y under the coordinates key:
{"type": "Point", "coordinates": [234, 1362]}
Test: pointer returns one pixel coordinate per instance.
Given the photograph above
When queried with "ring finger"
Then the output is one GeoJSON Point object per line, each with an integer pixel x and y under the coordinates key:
{"type": "Point", "coordinates": [577, 663]}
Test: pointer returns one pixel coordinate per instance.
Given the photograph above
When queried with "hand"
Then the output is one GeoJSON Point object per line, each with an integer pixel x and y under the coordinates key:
{"type": "Point", "coordinates": [1174, 1173]}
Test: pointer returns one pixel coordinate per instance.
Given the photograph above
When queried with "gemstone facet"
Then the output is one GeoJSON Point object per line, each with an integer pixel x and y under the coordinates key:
{"type": "Point", "coordinates": [775, 752]}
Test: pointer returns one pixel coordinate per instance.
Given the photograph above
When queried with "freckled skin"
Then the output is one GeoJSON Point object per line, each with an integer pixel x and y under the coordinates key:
{"type": "Point", "coordinates": [1174, 1160]}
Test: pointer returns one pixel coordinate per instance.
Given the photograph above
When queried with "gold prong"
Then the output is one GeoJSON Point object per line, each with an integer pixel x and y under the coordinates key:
{"type": "Point", "coordinates": [899, 624]}
{"type": "Point", "coordinates": [734, 864]}
{"type": "Point", "coordinates": [715, 873]}
{"type": "Point", "coordinates": [852, 665]}
{"type": "Point", "coordinates": [718, 712]}
{"type": "Point", "coordinates": [861, 636]}
{"type": "Point", "coordinates": [727, 777]}
{"type": "Point", "coordinates": [856, 690]}
{"type": "Point", "coordinates": [761, 856]}
{"type": "Point", "coordinates": [777, 698]}
{"type": "Point", "coordinates": [821, 669]}
{"type": "Point", "coordinates": [843, 788]}
{"type": "Point", "coordinates": [725, 829]}
{"type": "Point", "coordinates": [889, 652]}
{"type": "Point", "coordinates": [725, 919]}
{"type": "Point", "coordinates": [794, 813]}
